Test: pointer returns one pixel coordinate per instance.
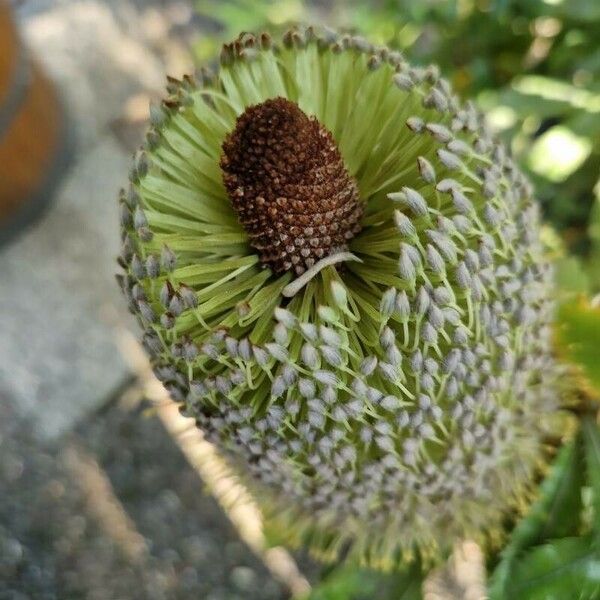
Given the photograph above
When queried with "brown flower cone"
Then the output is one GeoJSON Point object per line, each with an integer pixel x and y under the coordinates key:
{"type": "Point", "coordinates": [289, 186]}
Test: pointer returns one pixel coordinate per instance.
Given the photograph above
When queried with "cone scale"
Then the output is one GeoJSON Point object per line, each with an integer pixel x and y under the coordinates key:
{"type": "Point", "coordinates": [398, 399]}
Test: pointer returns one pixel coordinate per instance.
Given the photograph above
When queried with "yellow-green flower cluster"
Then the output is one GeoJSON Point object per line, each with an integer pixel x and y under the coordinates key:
{"type": "Point", "coordinates": [395, 394]}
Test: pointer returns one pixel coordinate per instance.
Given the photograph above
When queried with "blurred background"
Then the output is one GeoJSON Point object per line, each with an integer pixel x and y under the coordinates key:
{"type": "Point", "coordinates": [105, 492]}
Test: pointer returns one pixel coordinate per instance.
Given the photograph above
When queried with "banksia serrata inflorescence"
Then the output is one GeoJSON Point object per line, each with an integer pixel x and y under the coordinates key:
{"type": "Point", "coordinates": [340, 277]}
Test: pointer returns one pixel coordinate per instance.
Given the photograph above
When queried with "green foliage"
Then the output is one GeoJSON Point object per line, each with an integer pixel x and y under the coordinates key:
{"type": "Point", "coordinates": [556, 513]}
{"type": "Point", "coordinates": [591, 435]}
{"type": "Point", "coordinates": [532, 65]}
{"type": "Point", "coordinates": [234, 16]}
{"type": "Point", "coordinates": [348, 582]}
{"type": "Point", "coordinates": [571, 276]}
{"type": "Point", "coordinates": [552, 553]}
{"type": "Point", "coordinates": [562, 569]}
{"type": "Point", "coordinates": [344, 584]}
{"type": "Point", "coordinates": [579, 337]}
{"type": "Point", "coordinates": [593, 268]}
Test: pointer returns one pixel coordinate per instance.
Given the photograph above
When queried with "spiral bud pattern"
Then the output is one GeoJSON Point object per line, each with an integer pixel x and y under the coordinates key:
{"type": "Point", "coordinates": [396, 401]}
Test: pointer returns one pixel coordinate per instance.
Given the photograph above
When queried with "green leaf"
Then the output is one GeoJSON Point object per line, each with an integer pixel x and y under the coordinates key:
{"type": "Point", "coordinates": [557, 92]}
{"type": "Point", "coordinates": [594, 227]}
{"type": "Point", "coordinates": [349, 582]}
{"type": "Point", "coordinates": [528, 103]}
{"type": "Point", "coordinates": [591, 436]}
{"type": "Point", "coordinates": [413, 591]}
{"type": "Point", "coordinates": [562, 569]}
{"type": "Point", "coordinates": [563, 510]}
{"type": "Point", "coordinates": [558, 153]}
{"type": "Point", "coordinates": [579, 338]}
{"type": "Point", "coordinates": [345, 584]}
{"type": "Point", "coordinates": [581, 10]}
{"type": "Point", "coordinates": [570, 276]}
{"type": "Point", "coordinates": [555, 513]}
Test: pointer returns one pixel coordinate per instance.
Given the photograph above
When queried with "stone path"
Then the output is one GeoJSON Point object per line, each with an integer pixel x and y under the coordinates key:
{"type": "Point", "coordinates": [114, 512]}
{"type": "Point", "coordinates": [59, 306]}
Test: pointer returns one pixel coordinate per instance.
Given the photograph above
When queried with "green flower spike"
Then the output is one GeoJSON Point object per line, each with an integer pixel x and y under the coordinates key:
{"type": "Point", "coordinates": [340, 277]}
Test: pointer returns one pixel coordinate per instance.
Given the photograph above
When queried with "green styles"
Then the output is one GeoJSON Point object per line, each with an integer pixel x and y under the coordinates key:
{"type": "Point", "coordinates": [339, 275]}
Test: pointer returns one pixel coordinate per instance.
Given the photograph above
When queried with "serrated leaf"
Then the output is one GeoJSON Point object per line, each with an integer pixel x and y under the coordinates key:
{"type": "Point", "coordinates": [591, 436]}
{"type": "Point", "coordinates": [579, 339]}
{"type": "Point", "coordinates": [556, 512]}
{"type": "Point", "coordinates": [561, 569]}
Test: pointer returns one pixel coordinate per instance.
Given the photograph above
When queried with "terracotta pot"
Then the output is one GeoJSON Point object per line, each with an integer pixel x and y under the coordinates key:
{"type": "Point", "coordinates": [34, 140]}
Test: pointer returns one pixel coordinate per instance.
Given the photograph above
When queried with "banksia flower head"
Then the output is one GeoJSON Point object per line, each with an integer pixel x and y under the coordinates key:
{"type": "Point", "coordinates": [339, 275]}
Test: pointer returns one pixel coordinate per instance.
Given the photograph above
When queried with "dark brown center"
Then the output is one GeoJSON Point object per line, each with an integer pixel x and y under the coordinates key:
{"type": "Point", "coordinates": [289, 186]}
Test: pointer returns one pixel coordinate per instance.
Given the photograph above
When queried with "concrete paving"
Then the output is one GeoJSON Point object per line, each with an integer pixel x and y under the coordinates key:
{"type": "Point", "coordinates": [59, 304]}
{"type": "Point", "coordinates": [60, 309]}
{"type": "Point", "coordinates": [97, 60]}
{"type": "Point", "coordinates": [115, 513]}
